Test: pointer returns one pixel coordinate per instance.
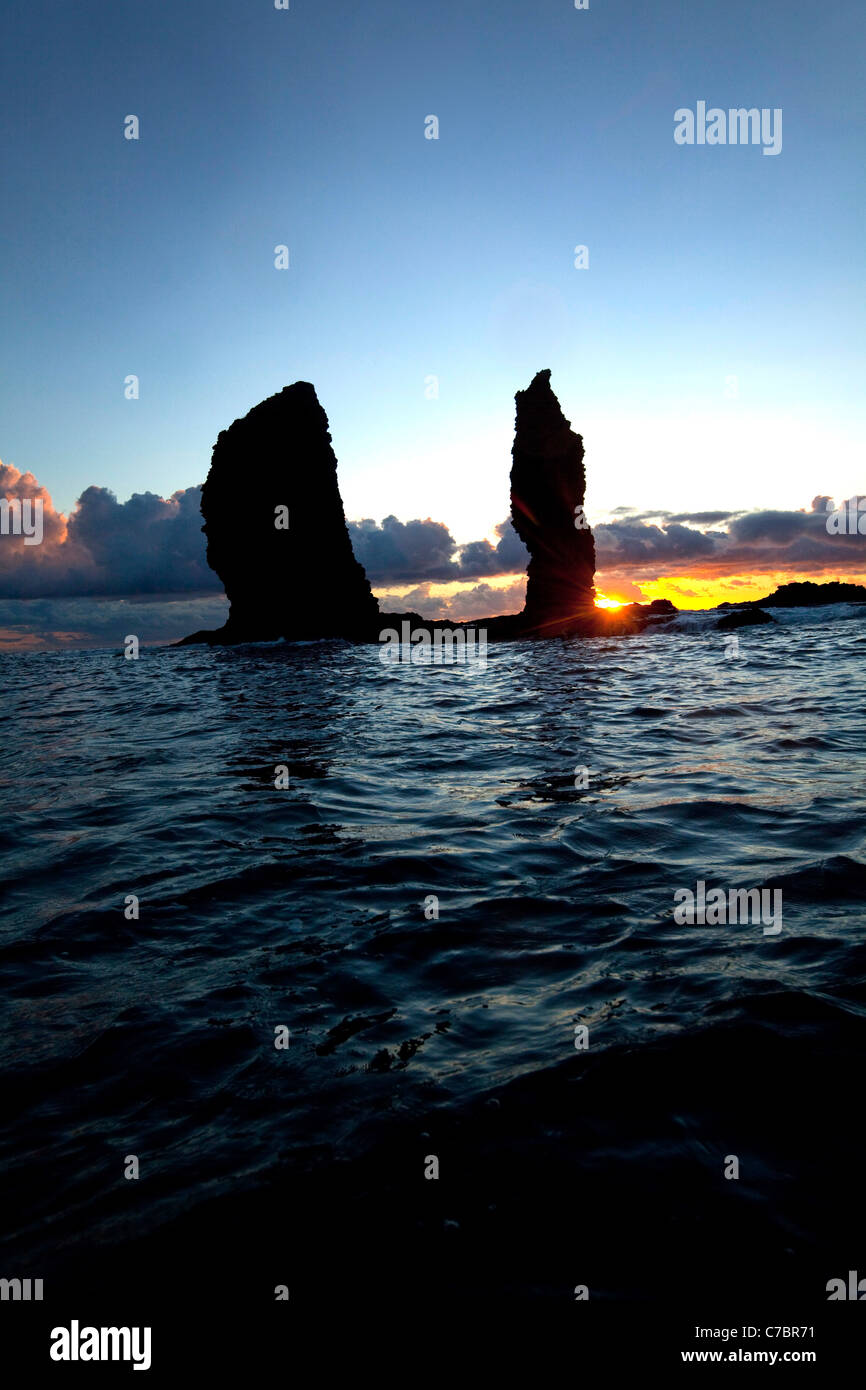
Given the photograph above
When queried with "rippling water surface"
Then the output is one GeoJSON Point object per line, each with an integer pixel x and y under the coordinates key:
{"type": "Point", "coordinates": [412, 1035]}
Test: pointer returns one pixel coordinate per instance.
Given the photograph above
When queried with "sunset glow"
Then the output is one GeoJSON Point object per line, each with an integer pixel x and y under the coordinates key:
{"type": "Point", "coordinates": [706, 591]}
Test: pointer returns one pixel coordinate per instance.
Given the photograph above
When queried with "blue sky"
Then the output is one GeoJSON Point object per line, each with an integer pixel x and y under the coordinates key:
{"type": "Point", "coordinates": [454, 257]}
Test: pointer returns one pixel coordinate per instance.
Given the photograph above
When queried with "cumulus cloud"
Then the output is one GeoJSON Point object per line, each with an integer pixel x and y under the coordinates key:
{"type": "Point", "coordinates": [475, 601]}
{"type": "Point", "coordinates": [633, 542]}
{"type": "Point", "coordinates": [403, 552]}
{"type": "Point", "coordinates": [153, 546]}
{"type": "Point", "coordinates": [755, 542]}
{"type": "Point", "coordinates": [147, 545]}
{"type": "Point", "coordinates": [414, 552]}
{"type": "Point", "coordinates": [17, 487]}
{"type": "Point", "coordinates": [483, 600]}
{"type": "Point", "coordinates": [508, 556]}
{"type": "Point", "coordinates": [693, 518]}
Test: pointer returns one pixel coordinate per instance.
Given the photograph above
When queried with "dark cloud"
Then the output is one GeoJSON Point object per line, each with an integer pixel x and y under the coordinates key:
{"type": "Point", "coordinates": [152, 546]}
{"type": "Point", "coordinates": [148, 545]}
{"type": "Point", "coordinates": [53, 624]}
{"type": "Point", "coordinates": [780, 528]}
{"type": "Point", "coordinates": [144, 546]}
{"type": "Point", "coordinates": [479, 601]}
{"type": "Point", "coordinates": [701, 518]}
{"type": "Point", "coordinates": [661, 515]}
{"type": "Point", "coordinates": [634, 542]}
{"type": "Point", "coordinates": [403, 552]}
{"type": "Point", "coordinates": [485, 601]}
{"type": "Point", "coordinates": [416, 552]}
{"type": "Point", "coordinates": [754, 542]}
{"type": "Point", "coordinates": [508, 556]}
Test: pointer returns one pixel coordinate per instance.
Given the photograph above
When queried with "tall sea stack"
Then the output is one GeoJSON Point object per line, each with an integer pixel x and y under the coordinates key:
{"type": "Point", "coordinates": [303, 582]}
{"type": "Point", "coordinates": [299, 581]}
{"type": "Point", "coordinates": [548, 485]}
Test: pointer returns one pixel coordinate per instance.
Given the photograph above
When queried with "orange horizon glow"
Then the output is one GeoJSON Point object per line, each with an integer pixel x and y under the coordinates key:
{"type": "Point", "coordinates": [690, 591]}
{"type": "Point", "coordinates": [696, 591]}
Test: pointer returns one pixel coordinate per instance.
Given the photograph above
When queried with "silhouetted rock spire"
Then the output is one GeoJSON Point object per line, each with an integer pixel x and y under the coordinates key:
{"type": "Point", "coordinates": [304, 582]}
{"type": "Point", "coordinates": [548, 485]}
{"type": "Point", "coordinates": [300, 581]}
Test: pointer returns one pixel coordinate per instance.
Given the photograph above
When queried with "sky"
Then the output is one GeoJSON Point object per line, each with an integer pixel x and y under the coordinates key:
{"type": "Point", "coordinates": [711, 353]}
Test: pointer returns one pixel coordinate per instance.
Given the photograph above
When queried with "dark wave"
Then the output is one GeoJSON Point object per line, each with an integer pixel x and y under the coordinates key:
{"type": "Point", "coordinates": [414, 1034]}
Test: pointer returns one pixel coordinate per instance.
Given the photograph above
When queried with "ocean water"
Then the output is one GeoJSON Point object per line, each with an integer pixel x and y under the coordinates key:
{"type": "Point", "coordinates": [443, 1029]}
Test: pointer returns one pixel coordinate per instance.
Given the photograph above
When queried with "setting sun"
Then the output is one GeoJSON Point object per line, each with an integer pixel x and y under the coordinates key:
{"type": "Point", "coordinates": [602, 601]}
